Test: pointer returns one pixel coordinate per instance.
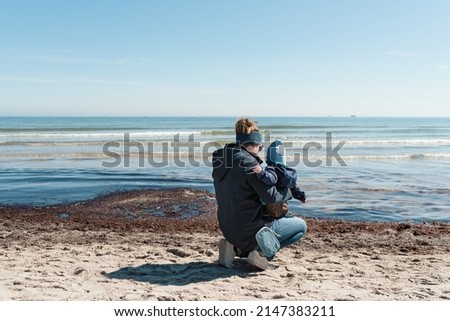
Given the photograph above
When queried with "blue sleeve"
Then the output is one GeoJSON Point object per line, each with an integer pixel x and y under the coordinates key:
{"type": "Point", "coordinates": [268, 176]}
{"type": "Point", "coordinates": [269, 194]}
{"type": "Point", "coordinates": [288, 176]}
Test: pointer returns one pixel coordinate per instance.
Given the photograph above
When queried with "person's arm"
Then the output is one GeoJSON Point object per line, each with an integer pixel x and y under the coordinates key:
{"type": "Point", "coordinates": [269, 194]}
{"type": "Point", "coordinates": [287, 176]}
{"type": "Point", "coordinates": [267, 176]}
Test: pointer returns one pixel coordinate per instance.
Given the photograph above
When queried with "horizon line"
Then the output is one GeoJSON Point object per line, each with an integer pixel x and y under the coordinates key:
{"type": "Point", "coordinates": [219, 116]}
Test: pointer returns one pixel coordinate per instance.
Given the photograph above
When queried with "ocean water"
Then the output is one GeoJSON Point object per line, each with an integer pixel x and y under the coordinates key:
{"type": "Point", "coordinates": [373, 169]}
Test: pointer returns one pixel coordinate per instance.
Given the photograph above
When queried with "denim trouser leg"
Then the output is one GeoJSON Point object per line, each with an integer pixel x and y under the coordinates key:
{"type": "Point", "coordinates": [289, 229]}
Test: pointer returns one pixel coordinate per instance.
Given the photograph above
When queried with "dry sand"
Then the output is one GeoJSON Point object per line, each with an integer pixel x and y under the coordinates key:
{"type": "Point", "coordinates": [141, 246]}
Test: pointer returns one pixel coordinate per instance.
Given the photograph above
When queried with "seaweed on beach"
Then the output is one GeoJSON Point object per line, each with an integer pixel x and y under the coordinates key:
{"type": "Point", "coordinates": [176, 211]}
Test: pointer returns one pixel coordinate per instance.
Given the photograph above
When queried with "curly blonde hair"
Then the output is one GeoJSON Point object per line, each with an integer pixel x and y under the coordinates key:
{"type": "Point", "coordinates": [245, 126]}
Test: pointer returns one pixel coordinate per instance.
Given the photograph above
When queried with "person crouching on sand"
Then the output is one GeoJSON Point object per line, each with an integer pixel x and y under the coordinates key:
{"type": "Point", "coordinates": [240, 211]}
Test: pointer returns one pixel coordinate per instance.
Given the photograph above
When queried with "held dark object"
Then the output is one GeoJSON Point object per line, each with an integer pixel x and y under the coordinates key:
{"type": "Point", "coordinates": [277, 210]}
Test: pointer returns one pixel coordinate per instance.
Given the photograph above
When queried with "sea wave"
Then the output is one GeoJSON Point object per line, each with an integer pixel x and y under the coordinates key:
{"type": "Point", "coordinates": [375, 190]}
{"type": "Point", "coordinates": [217, 133]}
{"type": "Point", "coordinates": [73, 139]}
{"type": "Point", "coordinates": [207, 155]}
{"type": "Point", "coordinates": [95, 135]}
{"type": "Point", "coordinates": [51, 143]}
{"type": "Point", "coordinates": [431, 141]}
{"type": "Point", "coordinates": [423, 156]}
{"type": "Point", "coordinates": [63, 129]}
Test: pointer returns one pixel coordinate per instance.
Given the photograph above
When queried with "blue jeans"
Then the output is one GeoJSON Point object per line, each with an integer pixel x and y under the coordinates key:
{"type": "Point", "coordinates": [289, 229]}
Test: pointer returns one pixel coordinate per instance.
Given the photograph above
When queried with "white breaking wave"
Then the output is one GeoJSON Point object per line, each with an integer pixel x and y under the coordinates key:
{"type": "Point", "coordinates": [424, 156]}
{"type": "Point", "coordinates": [34, 138]}
{"type": "Point", "coordinates": [399, 157]}
{"type": "Point", "coordinates": [201, 155]}
{"type": "Point", "coordinates": [434, 141]}
{"type": "Point", "coordinates": [101, 137]}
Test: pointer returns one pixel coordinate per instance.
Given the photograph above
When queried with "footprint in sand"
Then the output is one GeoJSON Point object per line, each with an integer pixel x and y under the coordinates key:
{"type": "Point", "coordinates": [178, 252]}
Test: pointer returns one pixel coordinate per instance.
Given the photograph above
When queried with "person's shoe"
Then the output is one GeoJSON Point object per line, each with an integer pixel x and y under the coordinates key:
{"type": "Point", "coordinates": [257, 260]}
{"type": "Point", "coordinates": [226, 253]}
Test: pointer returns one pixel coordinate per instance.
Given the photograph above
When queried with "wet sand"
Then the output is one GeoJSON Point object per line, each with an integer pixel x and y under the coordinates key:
{"type": "Point", "coordinates": [162, 245]}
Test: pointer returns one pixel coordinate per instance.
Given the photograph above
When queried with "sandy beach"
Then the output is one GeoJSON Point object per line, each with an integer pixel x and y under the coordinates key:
{"type": "Point", "coordinates": [162, 245]}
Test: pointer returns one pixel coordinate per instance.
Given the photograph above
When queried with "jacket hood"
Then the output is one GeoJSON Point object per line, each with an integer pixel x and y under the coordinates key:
{"type": "Point", "coordinates": [275, 154]}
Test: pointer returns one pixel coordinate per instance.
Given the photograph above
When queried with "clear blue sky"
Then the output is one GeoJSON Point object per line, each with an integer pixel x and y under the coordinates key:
{"type": "Point", "coordinates": [246, 57]}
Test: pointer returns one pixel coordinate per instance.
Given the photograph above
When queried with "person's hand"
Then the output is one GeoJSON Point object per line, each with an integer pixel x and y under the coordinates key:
{"type": "Point", "coordinates": [257, 169]}
{"type": "Point", "coordinates": [298, 194]}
